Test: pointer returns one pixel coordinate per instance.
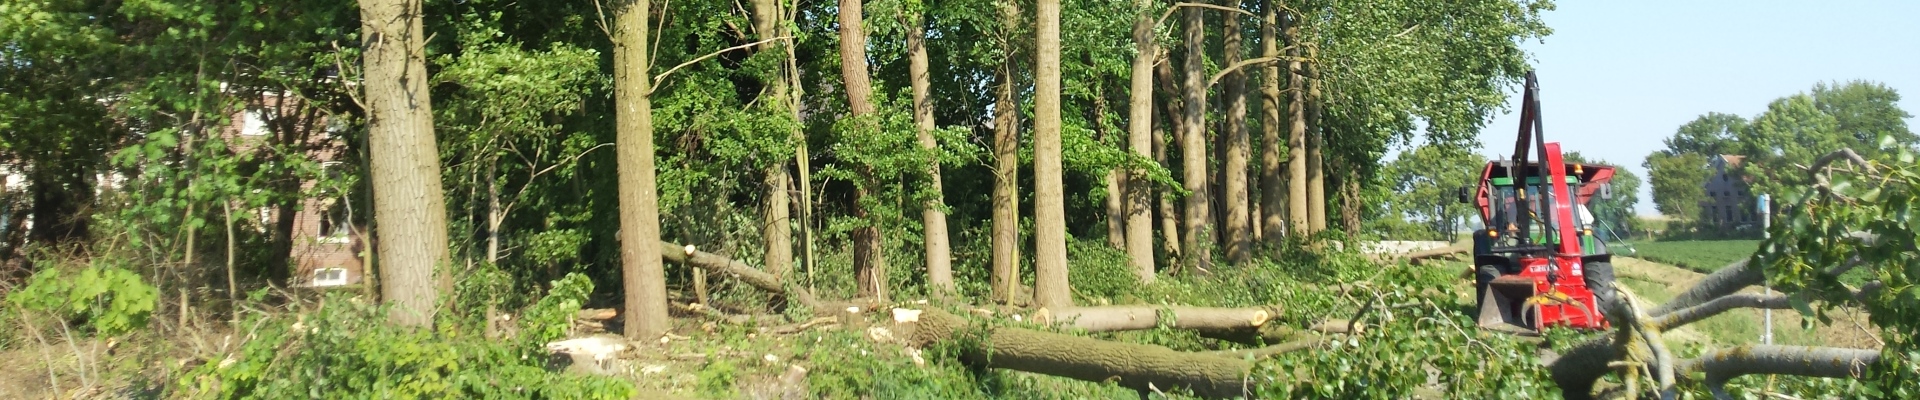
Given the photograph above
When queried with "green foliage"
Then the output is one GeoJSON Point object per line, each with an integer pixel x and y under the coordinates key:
{"type": "Point", "coordinates": [344, 349]}
{"type": "Point", "coordinates": [1425, 182]}
{"type": "Point", "coordinates": [1865, 212]}
{"type": "Point", "coordinates": [1099, 273]}
{"type": "Point", "coordinates": [1677, 182]}
{"type": "Point", "coordinates": [110, 299]}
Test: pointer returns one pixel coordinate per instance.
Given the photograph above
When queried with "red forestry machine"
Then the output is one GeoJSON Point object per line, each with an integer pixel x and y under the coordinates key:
{"type": "Point", "coordinates": [1537, 262]}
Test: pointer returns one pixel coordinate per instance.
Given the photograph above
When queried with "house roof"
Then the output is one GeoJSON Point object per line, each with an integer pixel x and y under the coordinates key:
{"type": "Point", "coordinates": [1732, 160]}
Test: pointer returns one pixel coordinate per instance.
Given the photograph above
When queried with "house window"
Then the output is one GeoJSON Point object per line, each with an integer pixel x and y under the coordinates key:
{"type": "Point", "coordinates": [1713, 213]}
{"type": "Point", "coordinates": [329, 277]}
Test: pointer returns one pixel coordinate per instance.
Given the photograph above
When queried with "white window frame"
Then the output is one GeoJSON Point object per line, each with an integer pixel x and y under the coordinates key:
{"type": "Point", "coordinates": [321, 278]}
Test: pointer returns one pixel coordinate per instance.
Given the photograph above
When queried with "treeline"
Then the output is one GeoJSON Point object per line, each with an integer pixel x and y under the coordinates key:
{"type": "Point", "coordinates": [1769, 152]}
{"type": "Point", "coordinates": [869, 149]}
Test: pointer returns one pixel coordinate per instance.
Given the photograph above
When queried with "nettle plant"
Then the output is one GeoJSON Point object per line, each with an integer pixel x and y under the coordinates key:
{"type": "Point", "coordinates": [105, 297]}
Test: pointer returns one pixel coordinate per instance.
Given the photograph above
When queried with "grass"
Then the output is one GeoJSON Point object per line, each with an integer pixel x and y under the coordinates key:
{"type": "Point", "coordinates": [1704, 256]}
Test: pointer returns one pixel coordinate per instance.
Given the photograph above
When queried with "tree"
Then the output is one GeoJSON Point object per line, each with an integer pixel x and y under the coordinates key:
{"type": "Point", "coordinates": [1676, 181]}
{"type": "Point", "coordinates": [769, 23]}
{"type": "Point", "coordinates": [409, 209]}
{"type": "Point", "coordinates": [1239, 219]}
{"type": "Point", "coordinates": [1273, 188]}
{"type": "Point", "coordinates": [1006, 164]}
{"type": "Point", "coordinates": [1864, 112]}
{"type": "Point", "coordinates": [1424, 182]}
{"type": "Point", "coordinates": [1139, 192]}
{"type": "Point", "coordinates": [642, 274]}
{"type": "Point", "coordinates": [1196, 227]}
{"type": "Point", "coordinates": [868, 263]}
{"type": "Point", "coordinates": [1050, 288]}
{"type": "Point", "coordinates": [1792, 131]}
{"type": "Point", "coordinates": [939, 256]}
{"type": "Point", "coordinates": [1709, 135]}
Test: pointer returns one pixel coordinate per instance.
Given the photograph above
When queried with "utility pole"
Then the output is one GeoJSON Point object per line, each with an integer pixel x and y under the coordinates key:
{"type": "Point", "coordinates": [1766, 221]}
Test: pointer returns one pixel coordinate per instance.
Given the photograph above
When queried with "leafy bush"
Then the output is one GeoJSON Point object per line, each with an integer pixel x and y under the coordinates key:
{"type": "Point", "coordinates": [1099, 272]}
{"type": "Point", "coordinates": [111, 300]}
{"type": "Point", "coordinates": [345, 349]}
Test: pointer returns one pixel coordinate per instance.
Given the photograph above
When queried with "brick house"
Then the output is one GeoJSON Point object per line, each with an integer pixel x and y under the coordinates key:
{"type": "Point", "coordinates": [326, 249]}
{"type": "Point", "coordinates": [1730, 199]}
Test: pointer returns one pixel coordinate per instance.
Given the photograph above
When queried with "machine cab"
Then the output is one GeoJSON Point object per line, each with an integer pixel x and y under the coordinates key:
{"type": "Point", "coordinates": [1502, 198]}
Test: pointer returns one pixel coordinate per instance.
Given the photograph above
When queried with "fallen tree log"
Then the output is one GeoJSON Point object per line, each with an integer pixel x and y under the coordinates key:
{"type": "Point", "coordinates": [1422, 256]}
{"type": "Point", "coordinates": [1133, 318]}
{"type": "Point", "coordinates": [687, 255]}
{"type": "Point", "coordinates": [1136, 366]}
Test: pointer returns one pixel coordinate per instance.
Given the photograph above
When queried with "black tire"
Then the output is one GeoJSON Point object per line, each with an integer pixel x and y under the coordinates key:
{"type": "Point", "coordinates": [1598, 276]}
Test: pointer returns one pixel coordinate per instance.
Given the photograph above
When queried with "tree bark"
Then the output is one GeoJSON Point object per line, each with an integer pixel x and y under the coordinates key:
{"type": "Point", "coordinates": [1115, 179]}
{"type": "Point", "coordinates": [1133, 318]}
{"type": "Point", "coordinates": [939, 254]}
{"type": "Point", "coordinates": [1824, 362]}
{"type": "Point", "coordinates": [1297, 212]}
{"type": "Point", "coordinates": [642, 274]}
{"type": "Point", "coordinates": [409, 208]}
{"type": "Point", "coordinates": [1139, 194]}
{"type": "Point", "coordinates": [1135, 366]}
{"type": "Point", "coordinates": [776, 219]}
{"type": "Point", "coordinates": [1198, 231]}
{"type": "Point", "coordinates": [1239, 222]}
{"type": "Point", "coordinates": [1169, 216]}
{"type": "Point", "coordinates": [1006, 172]}
{"type": "Point", "coordinates": [1272, 187]}
{"type": "Point", "coordinates": [1316, 176]}
{"type": "Point", "coordinates": [1050, 287]}
{"type": "Point", "coordinates": [869, 264]}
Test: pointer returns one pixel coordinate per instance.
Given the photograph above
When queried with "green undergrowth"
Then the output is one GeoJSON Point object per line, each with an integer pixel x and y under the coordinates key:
{"type": "Point", "coordinates": [344, 348]}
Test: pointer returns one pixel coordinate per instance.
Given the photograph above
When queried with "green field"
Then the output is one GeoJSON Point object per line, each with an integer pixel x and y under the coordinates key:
{"type": "Point", "coordinates": [1704, 256]}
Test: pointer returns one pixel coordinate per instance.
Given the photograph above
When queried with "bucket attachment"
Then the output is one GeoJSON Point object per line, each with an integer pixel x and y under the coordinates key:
{"type": "Point", "coordinates": [1505, 308]}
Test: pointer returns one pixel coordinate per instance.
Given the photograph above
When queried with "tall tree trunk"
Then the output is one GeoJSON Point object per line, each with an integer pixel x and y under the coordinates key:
{"type": "Point", "coordinates": [1272, 188]}
{"type": "Point", "coordinates": [1169, 215]}
{"type": "Point", "coordinates": [1115, 179]}
{"type": "Point", "coordinates": [1139, 194]}
{"type": "Point", "coordinates": [1298, 214]}
{"type": "Point", "coordinates": [1006, 172]}
{"type": "Point", "coordinates": [1316, 176]}
{"type": "Point", "coordinates": [1239, 218]}
{"type": "Point", "coordinates": [1050, 286]}
{"type": "Point", "coordinates": [939, 254]}
{"type": "Point", "coordinates": [642, 273]}
{"type": "Point", "coordinates": [1198, 239]}
{"type": "Point", "coordinates": [868, 264]}
{"type": "Point", "coordinates": [777, 228]}
{"type": "Point", "coordinates": [409, 208]}
{"type": "Point", "coordinates": [1170, 221]}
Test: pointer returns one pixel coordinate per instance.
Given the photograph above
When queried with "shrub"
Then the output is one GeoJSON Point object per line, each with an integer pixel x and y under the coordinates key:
{"type": "Point", "coordinates": [110, 299]}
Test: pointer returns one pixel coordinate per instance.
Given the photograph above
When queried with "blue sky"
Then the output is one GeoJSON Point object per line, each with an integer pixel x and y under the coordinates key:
{"type": "Point", "coordinates": [1616, 77]}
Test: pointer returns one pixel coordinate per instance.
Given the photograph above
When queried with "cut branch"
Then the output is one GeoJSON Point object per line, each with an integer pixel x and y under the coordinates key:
{"type": "Point", "coordinates": [738, 270]}
{"type": "Point", "coordinates": [1130, 365]}
{"type": "Point", "coordinates": [1825, 362]}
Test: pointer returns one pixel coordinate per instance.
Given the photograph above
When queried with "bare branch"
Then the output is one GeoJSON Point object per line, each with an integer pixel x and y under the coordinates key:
{"type": "Point", "coordinates": [657, 79]}
{"type": "Point", "coordinates": [1177, 6]}
{"type": "Point", "coordinates": [1689, 315]}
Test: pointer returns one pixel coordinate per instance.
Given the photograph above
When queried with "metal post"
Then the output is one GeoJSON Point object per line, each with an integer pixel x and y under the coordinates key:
{"type": "Point", "coordinates": [1766, 221]}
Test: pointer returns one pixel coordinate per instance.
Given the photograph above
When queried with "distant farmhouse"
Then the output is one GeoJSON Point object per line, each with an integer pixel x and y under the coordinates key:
{"type": "Point", "coordinates": [1730, 201]}
{"type": "Point", "coordinates": [326, 249]}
